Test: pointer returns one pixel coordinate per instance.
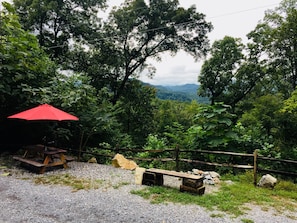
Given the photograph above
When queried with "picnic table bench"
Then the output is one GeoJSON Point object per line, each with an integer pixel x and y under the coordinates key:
{"type": "Point", "coordinates": [40, 157]}
{"type": "Point", "coordinates": [190, 182]}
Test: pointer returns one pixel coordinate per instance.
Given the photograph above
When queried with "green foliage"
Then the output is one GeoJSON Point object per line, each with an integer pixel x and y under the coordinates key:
{"type": "Point", "coordinates": [264, 113]}
{"type": "Point", "coordinates": [23, 64]}
{"type": "Point", "coordinates": [259, 126]}
{"type": "Point", "coordinates": [217, 75]}
{"type": "Point", "coordinates": [58, 24]}
{"type": "Point", "coordinates": [153, 143]}
{"type": "Point", "coordinates": [175, 134]}
{"type": "Point", "coordinates": [276, 37]}
{"type": "Point", "coordinates": [228, 76]}
{"type": "Point", "coordinates": [287, 128]}
{"type": "Point", "coordinates": [137, 109]}
{"type": "Point", "coordinates": [213, 127]}
{"type": "Point", "coordinates": [169, 112]}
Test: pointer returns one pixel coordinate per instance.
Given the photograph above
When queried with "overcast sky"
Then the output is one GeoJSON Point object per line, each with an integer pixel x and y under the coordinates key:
{"type": "Point", "coordinates": [234, 18]}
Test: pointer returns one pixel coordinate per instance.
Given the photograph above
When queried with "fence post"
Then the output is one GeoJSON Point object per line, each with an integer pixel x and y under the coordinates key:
{"type": "Point", "coordinates": [255, 166]}
{"type": "Point", "coordinates": [177, 158]}
{"type": "Point", "coordinates": [117, 150]}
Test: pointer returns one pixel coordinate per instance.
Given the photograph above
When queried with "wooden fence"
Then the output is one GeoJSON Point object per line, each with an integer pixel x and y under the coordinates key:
{"type": "Point", "coordinates": [255, 158]}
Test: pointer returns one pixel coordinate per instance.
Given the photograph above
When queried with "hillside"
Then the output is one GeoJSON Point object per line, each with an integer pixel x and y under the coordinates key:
{"type": "Point", "coordinates": [186, 92]}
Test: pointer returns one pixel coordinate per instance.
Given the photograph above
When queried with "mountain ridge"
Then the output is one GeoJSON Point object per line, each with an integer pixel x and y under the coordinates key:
{"type": "Point", "coordinates": [184, 93]}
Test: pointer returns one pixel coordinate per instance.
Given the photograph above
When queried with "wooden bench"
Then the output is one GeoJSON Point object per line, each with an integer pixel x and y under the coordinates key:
{"type": "Point", "coordinates": [190, 182]}
{"type": "Point", "coordinates": [69, 158]}
{"type": "Point", "coordinates": [30, 162]}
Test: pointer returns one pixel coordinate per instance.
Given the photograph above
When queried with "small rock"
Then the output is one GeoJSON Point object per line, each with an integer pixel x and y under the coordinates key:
{"type": "Point", "coordinates": [216, 180]}
{"type": "Point", "coordinates": [208, 180]}
{"type": "Point", "coordinates": [214, 174]}
{"type": "Point", "coordinates": [197, 172]}
{"type": "Point", "coordinates": [267, 181]}
{"type": "Point", "coordinates": [92, 160]}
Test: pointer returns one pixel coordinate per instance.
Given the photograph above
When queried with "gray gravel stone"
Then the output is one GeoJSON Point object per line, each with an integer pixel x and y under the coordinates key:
{"type": "Point", "coordinates": [23, 201]}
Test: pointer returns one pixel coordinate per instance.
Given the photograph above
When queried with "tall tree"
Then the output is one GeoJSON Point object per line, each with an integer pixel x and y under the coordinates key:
{"type": "Point", "coordinates": [218, 72]}
{"type": "Point", "coordinates": [228, 75]}
{"type": "Point", "coordinates": [22, 63]}
{"type": "Point", "coordinates": [57, 23]}
{"type": "Point", "coordinates": [139, 30]}
{"type": "Point", "coordinates": [137, 110]}
{"type": "Point", "coordinates": [276, 38]}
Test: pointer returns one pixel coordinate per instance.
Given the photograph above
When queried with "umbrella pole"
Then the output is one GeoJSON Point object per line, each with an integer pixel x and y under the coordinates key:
{"type": "Point", "coordinates": [80, 145]}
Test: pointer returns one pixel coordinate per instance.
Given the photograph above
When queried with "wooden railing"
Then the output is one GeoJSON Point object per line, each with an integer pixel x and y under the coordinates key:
{"type": "Point", "coordinates": [255, 158]}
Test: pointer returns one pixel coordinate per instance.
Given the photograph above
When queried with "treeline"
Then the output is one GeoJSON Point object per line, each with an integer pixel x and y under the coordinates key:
{"type": "Point", "coordinates": [186, 93]}
{"type": "Point", "coordinates": [64, 54]}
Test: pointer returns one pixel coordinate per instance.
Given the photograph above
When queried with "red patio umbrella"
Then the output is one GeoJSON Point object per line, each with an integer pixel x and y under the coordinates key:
{"type": "Point", "coordinates": [44, 112]}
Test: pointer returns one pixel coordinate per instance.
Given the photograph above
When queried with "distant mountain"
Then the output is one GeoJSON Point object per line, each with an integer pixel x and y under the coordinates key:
{"type": "Point", "coordinates": [186, 92]}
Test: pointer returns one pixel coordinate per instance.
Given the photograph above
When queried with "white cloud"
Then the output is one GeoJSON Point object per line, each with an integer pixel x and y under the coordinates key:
{"type": "Point", "coordinates": [234, 18]}
{"type": "Point", "coordinates": [171, 72]}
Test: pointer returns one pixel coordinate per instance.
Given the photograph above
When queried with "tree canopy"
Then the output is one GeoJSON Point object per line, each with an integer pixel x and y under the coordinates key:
{"type": "Point", "coordinates": [229, 75]}
{"type": "Point", "coordinates": [137, 31]}
{"type": "Point", "coordinates": [58, 24]}
{"type": "Point", "coordinates": [275, 37]}
{"type": "Point", "coordinates": [23, 63]}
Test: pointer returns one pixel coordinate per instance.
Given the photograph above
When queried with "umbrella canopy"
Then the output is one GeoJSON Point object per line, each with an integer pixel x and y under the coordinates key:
{"type": "Point", "coordinates": [44, 112]}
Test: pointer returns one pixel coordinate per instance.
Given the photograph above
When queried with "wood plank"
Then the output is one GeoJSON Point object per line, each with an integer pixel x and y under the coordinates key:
{"type": "Point", "coordinates": [218, 164]}
{"type": "Point", "coordinates": [51, 152]}
{"type": "Point", "coordinates": [50, 148]}
{"type": "Point", "coordinates": [69, 158]}
{"type": "Point", "coordinates": [217, 152]}
{"type": "Point", "coordinates": [31, 162]}
{"type": "Point", "coordinates": [57, 163]}
{"type": "Point", "coordinates": [175, 174]}
{"type": "Point", "coordinates": [36, 146]}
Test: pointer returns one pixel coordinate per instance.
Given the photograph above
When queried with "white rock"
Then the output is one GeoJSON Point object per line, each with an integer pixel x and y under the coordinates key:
{"type": "Point", "coordinates": [267, 181]}
{"type": "Point", "coordinates": [139, 175]}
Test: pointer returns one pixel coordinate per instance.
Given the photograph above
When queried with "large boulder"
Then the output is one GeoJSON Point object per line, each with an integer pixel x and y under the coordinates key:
{"type": "Point", "coordinates": [119, 161]}
{"type": "Point", "coordinates": [267, 181]}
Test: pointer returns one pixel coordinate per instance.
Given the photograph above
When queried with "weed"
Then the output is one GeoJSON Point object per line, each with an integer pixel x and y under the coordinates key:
{"type": "Point", "coordinates": [69, 180]}
{"type": "Point", "coordinates": [217, 215]}
{"type": "Point", "coordinates": [245, 220]}
{"type": "Point", "coordinates": [117, 186]}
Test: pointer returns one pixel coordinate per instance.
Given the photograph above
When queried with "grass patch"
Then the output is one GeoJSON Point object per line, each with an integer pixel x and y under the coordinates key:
{"type": "Point", "coordinates": [217, 215]}
{"type": "Point", "coordinates": [117, 186]}
{"type": "Point", "coordinates": [245, 220]}
{"type": "Point", "coordinates": [69, 180]}
{"type": "Point", "coordinates": [231, 198]}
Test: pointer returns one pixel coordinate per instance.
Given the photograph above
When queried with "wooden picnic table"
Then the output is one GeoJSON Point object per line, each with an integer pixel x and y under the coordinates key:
{"type": "Point", "coordinates": [41, 157]}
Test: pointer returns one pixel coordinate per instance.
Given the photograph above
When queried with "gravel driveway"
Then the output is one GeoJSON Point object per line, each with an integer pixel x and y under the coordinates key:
{"type": "Point", "coordinates": [24, 201]}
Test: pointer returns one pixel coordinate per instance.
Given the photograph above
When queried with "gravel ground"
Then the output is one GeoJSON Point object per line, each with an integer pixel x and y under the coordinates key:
{"type": "Point", "coordinates": [24, 201]}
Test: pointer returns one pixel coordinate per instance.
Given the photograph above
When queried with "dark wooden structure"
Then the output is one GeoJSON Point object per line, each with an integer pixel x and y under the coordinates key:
{"type": "Point", "coordinates": [190, 182]}
{"type": "Point", "coordinates": [40, 157]}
